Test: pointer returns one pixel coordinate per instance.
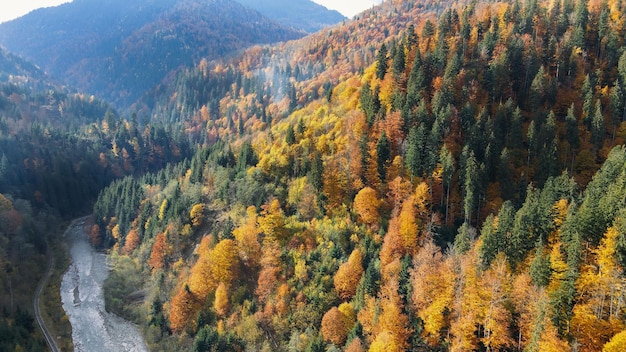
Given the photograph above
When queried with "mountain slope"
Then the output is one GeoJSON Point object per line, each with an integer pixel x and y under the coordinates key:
{"type": "Point", "coordinates": [434, 175]}
{"type": "Point", "coordinates": [314, 63]}
{"type": "Point", "coordinates": [300, 14]}
{"type": "Point", "coordinates": [118, 49]}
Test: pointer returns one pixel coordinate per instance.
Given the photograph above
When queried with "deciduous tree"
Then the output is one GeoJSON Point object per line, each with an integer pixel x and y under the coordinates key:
{"type": "Point", "coordinates": [433, 280]}
{"type": "Point", "coordinates": [272, 222]}
{"type": "Point", "coordinates": [131, 242]}
{"type": "Point", "coordinates": [247, 238]}
{"type": "Point", "coordinates": [181, 308]}
{"type": "Point", "coordinates": [333, 327]}
{"type": "Point", "coordinates": [616, 344]}
{"type": "Point", "coordinates": [601, 297]}
{"type": "Point", "coordinates": [197, 214]}
{"type": "Point", "coordinates": [221, 303]}
{"type": "Point", "coordinates": [159, 252]}
{"type": "Point", "coordinates": [348, 275]}
{"type": "Point", "coordinates": [366, 204]}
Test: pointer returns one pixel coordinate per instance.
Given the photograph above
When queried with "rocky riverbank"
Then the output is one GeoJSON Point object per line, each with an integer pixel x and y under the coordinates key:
{"type": "Point", "coordinates": [93, 329]}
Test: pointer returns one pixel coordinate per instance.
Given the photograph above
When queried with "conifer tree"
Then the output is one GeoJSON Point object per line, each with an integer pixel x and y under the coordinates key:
{"type": "Point", "coordinates": [381, 62]}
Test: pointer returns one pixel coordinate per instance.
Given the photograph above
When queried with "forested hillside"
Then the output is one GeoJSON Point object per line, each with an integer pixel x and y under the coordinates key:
{"type": "Point", "coordinates": [119, 49]}
{"type": "Point", "coordinates": [433, 175]}
{"type": "Point", "coordinates": [59, 149]}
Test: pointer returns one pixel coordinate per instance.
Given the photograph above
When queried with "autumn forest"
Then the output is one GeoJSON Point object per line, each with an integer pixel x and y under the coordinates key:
{"type": "Point", "coordinates": [428, 176]}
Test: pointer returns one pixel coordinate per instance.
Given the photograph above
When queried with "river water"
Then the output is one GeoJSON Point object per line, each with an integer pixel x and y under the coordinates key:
{"type": "Point", "coordinates": [93, 329]}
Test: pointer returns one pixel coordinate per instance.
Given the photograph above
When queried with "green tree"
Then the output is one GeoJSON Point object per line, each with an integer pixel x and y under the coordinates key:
{"type": "Point", "coordinates": [515, 133]}
{"type": "Point", "coordinates": [463, 240]}
{"type": "Point", "coordinates": [540, 266]}
{"type": "Point", "coordinates": [383, 153]}
{"type": "Point", "coordinates": [470, 186]}
{"type": "Point", "coordinates": [616, 98]}
{"type": "Point", "coordinates": [398, 65]}
{"type": "Point", "coordinates": [538, 89]}
{"type": "Point", "coordinates": [604, 196]}
{"type": "Point", "coordinates": [491, 244]}
{"type": "Point", "coordinates": [290, 136]}
{"type": "Point", "coordinates": [317, 171]}
{"type": "Point", "coordinates": [413, 159]}
{"type": "Point", "coordinates": [447, 172]}
{"type": "Point", "coordinates": [581, 19]}
{"type": "Point", "coordinates": [505, 175]}
{"type": "Point", "coordinates": [415, 85]}
{"type": "Point", "coordinates": [572, 129]}
{"type": "Point", "coordinates": [597, 126]}
{"type": "Point", "coordinates": [382, 61]}
{"type": "Point", "coordinates": [368, 103]}
{"type": "Point", "coordinates": [587, 93]}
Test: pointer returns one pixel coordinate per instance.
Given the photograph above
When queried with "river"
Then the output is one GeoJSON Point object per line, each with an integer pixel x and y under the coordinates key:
{"type": "Point", "coordinates": [93, 329]}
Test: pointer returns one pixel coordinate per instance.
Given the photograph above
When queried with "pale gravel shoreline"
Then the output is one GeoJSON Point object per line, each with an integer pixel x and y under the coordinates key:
{"type": "Point", "coordinates": [93, 329]}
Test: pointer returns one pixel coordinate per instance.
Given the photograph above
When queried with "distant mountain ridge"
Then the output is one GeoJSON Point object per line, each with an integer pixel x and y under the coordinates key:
{"type": "Point", "coordinates": [14, 69]}
{"type": "Point", "coordinates": [119, 49]}
{"type": "Point", "coordinates": [300, 14]}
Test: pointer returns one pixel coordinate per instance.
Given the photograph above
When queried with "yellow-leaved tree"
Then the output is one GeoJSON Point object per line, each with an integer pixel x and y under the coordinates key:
{"type": "Point", "coordinates": [221, 300]}
{"type": "Point", "coordinates": [366, 204]}
{"type": "Point", "coordinates": [384, 342]}
{"type": "Point", "coordinates": [433, 280]}
{"type": "Point", "coordinates": [224, 262]}
{"type": "Point", "coordinates": [616, 344]}
{"type": "Point", "coordinates": [495, 283]}
{"type": "Point", "coordinates": [196, 214]}
{"type": "Point", "coordinates": [214, 266]}
{"type": "Point", "coordinates": [272, 222]}
{"type": "Point", "coordinates": [467, 305]}
{"type": "Point", "coordinates": [599, 308]}
{"type": "Point", "coordinates": [409, 228]}
{"type": "Point", "coordinates": [247, 238]}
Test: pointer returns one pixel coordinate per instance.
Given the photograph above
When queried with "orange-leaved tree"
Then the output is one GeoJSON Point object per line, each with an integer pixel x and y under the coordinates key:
{"type": "Point", "coordinates": [333, 327]}
{"type": "Point", "coordinates": [181, 308]}
{"type": "Point", "coordinates": [270, 270]}
{"type": "Point", "coordinates": [348, 275]}
{"type": "Point", "coordinates": [392, 319]}
{"type": "Point", "coordinates": [94, 236]}
{"type": "Point", "coordinates": [355, 345]}
{"type": "Point", "coordinates": [393, 245]}
{"type": "Point", "coordinates": [159, 252]}
{"type": "Point", "coordinates": [131, 242]}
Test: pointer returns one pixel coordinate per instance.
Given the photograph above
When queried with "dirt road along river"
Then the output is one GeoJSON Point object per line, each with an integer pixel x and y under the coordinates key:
{"type": "Point", "coordinates": [93, 329]}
